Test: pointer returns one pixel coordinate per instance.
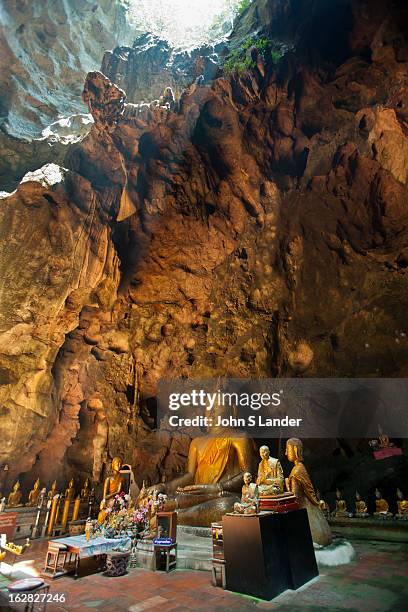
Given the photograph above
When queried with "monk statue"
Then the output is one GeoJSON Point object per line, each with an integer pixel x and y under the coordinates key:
{"type": "Point", "coordinates": [249, 503]}
{"type": "Point", "coordinates": [113, 484]}
{"type": "Point", "coordinates": [402, 505]}
{"type": "Point", "coordinates": [381, 507]}
{"type": "Point", "coordinates": [70, 491]}
{"type": "Point", "coordinates": [323, 505]}
{"type": "Point", "coordinates": [53, 491]}
{"type": "Point", "coordinates": [270, 479]}
{"type": "Point", "coordinates": [85, 492]}
{"type": "Point", "coordinates": [14, 498]}
{"type": "Point", "coordinates": [360, 507]}
{"type": "Point", "coordinates": [341, 506]}
{"type": "Point", "coordinates": [34, 494]}
{"type": "Point", "coordinates": [209, 487]}
{"type": "Point", "coordinates": [300, 484]}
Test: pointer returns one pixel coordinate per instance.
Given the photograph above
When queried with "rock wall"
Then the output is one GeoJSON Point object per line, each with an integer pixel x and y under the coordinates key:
{"type": "Point", "coordinates": [256, 227]}
{"type": "Point", "coordinates": [46, 49]}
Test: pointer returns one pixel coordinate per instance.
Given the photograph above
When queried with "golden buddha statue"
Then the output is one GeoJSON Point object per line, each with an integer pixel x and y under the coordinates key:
{"type": "Point", "coordinates": [53, 491]}
{"type": "Point", "coordinates": [324, 506]}
{"type": "Point", "coordinates": [85, 492]}
{"type": "Point", "coordinates": [402, 505]}
{"type": "Point", "coordinates": [340, 510]}
{"type": "Point", "coordinates": [34, 494]}
{"type": "Point", "coordinates": [14, 498]}
{"type": "Point", "coordinates": [213, 478]}
{"type": "Point", "coordinates": [384, 441]}
{"type": "Point", "coordinates": [113, 484]}
{"type": "Point", "coordinates": [70, 491]}
{"type": "Point", "coordinates": [299, 484]}
{"type": "Point", "coordinates": [360, 507]}
{"type": "Point", "coordinates": [249, 503]}
{"type": "Point", "coordinates": [270, 479]}
{"type": "Point", "coordinates": [381, 507]}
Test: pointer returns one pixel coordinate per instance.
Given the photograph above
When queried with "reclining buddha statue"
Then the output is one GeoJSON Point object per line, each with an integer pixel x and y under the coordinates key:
{"type": "Point", "coordinates": [212, 483]}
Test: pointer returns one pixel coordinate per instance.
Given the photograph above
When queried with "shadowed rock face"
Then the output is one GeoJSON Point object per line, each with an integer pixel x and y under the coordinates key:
{"type": "Point", "coordinates": [257, 227]}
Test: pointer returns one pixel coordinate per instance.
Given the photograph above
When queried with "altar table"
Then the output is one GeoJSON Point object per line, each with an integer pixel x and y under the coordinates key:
{"type": "Point", "coordinates": [83, 548]}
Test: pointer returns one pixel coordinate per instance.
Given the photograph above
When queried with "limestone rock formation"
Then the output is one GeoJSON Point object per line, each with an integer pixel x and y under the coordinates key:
{"type": "Point", "coordinates": [256, 227]}
{"type": "Point", "coordinates": [46, 49]}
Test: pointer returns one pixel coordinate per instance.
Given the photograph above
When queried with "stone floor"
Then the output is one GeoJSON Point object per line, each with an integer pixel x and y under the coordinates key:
{"type": "Point", "coordinates": [375, 581]}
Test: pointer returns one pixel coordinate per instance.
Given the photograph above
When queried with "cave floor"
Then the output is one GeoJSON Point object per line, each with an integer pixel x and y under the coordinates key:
{"type": "Point", "coordinates": [376, 580]}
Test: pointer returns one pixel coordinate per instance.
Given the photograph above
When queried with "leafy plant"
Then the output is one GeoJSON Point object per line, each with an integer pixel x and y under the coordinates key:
{"type": "Point", "coordinates": [242, 7]}
{"type": "Point", "coordinates": [238, 61]}
{"type": "Point", "coordinates": [275, 56]}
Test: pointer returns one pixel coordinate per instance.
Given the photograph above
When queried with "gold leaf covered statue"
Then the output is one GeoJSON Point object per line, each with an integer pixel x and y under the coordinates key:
{"type": "Point", "coordinates": [34, 494]}
{"type": "Point", "coordinates": [53, 491]}
{"type": "Point", "coordinates": [381, 507]}
{"type": "Point", "coordinates": [70, 491]}
{"type": "Point", "coordinates": [113, 484]}
{"type": "Point", "coordinates": [360, 507]}
{"type": "Point", "coordinates": [14, 498]}
{"type": "Point", "coordinates": [270, 479]}
{"type": "Point", "coordinates": [341, 506]}
{"type": "Point", "coordinates": [402, 505]}
{"type": "Point", "coordinates": [85, 492]}
{"type": "Point", "coordinates": [300, 484]}
{"type": "Point", "coordinates": [249, 503]}
{"type": "Point", "coordinates": [323, 505]}
{"type": "Point", "coordinates": [213, 479]}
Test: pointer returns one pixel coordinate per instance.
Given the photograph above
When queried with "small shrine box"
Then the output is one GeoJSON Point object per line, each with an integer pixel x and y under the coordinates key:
{"type": "Point", "coordinates": [167, 525]}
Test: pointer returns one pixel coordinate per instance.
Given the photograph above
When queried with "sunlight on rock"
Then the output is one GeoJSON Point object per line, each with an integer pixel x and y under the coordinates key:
{"type": "Point", "coordinates": [185, 23]}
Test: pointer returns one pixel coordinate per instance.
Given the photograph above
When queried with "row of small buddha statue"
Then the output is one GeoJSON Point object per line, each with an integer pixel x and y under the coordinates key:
{"type": "Point", "coordinates": [14, 499]}
{"type": "Point", "coordinates": [382, 509]}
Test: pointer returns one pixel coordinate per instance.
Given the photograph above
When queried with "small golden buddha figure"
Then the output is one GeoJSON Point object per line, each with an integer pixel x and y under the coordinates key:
{"type": "Point", "coordinates": [70, 491]}
{"type": "Point", "coordinates": [14, 498]}
{"type": "Point", "coordinates": [270, 479]}
{"type": "Point", "coordinates": [324, 506]}
{"type": "Point", "coordinates": [381, 507]}
{"type": "Point", "coordinates": [85, 492]}
{"type": "Point", "coordinates": [341, 506]}
{"type": "Point", "coordinates": [384, 441]}
{"type": "Point", "coordinates": [102, 512]}
{"type": "Point", "coordinates": [34, 494]}
{"type": "Point", "coordinates": [299, 484]}
{"type": "Point", "coordinates": [402, 505]}
{"type": "Point", "coordinates": [360, 507]}
{"type": "Point", "coordinates": [249, 503]}
{"type": "Point", "coordinates": [53, 491]}
{"type": "Point", "coordinates": [113, 484]}
{"type": "Point", "coordinates": [142, 499]}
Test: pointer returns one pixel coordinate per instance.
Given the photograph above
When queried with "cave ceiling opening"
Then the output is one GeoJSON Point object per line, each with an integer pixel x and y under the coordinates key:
{"type": "Point", "coordinates": [185, 24]}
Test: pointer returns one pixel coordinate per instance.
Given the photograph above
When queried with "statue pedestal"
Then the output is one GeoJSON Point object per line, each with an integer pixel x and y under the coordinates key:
{"type": "Point", "coordinates": [267, 554]}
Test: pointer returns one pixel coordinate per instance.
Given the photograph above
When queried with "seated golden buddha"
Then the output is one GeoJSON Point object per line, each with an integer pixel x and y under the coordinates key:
{"type": "Point", "coordinates": [211, 484]}
{"type": "Point", "coordinates": [34, 494]}
{"type": "Point", "coordinates": [249, 503]}
{"type": "Point", "coordinates": [14, 499]}
{"type": "Point", "coordinates": [381, 507]}
{"type": "Point", "coordinates": [402, 505]}
{"type": "Point", "coordinates": [360, 507]}
{"type": "Point", "coordinates": [341, 506]}
{"type": "Point", "coordinates": [270, 479]}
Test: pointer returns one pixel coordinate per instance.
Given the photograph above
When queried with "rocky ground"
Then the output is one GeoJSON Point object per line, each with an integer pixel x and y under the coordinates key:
{"type": "Point", "coordinates": [253, 225]}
